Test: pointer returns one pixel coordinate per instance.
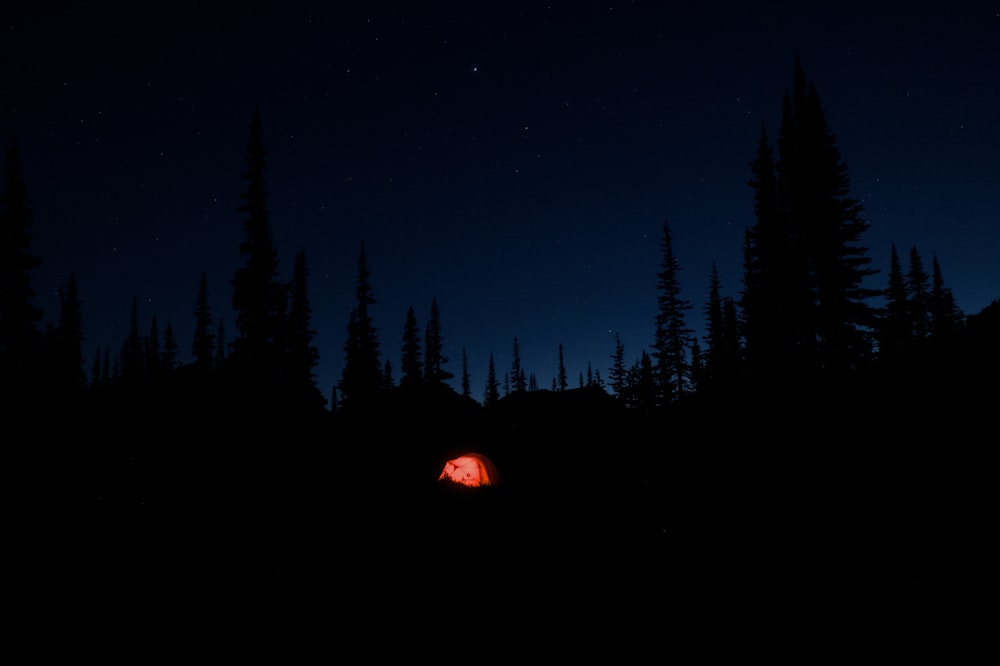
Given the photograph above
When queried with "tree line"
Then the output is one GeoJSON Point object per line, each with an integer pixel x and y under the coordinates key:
{"type": "Point", "coordinates": [803, 315]}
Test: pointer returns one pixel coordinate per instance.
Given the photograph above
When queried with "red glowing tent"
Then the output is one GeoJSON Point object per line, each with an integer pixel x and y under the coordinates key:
{"type": "Point", "coordinates": [471, 469]}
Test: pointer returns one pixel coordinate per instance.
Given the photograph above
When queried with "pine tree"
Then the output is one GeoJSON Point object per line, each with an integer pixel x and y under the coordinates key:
{"type": "Point", "coordinates": [132, 362]}
{"type": "Point", "coordinates": [895, 330]}
{"type": "Point", "coordinates": [775, 284]}
{"type": "Point", "coordinates": [466, 381]}
{"type": "Point", "coordinates": [362, 377]}
{"type": "Point", "coordinates": [434, 358]}
{"type": "Point", "coordinates": [945, 314]}
{"type": "Point", "coordinates": [805, 303]}
{"type": "Point", "coordinates": [698, 370]}
{"type": "Point", "coordinates": [388, 381]}
{"type": "Point", "coordinates": [732, 355]}
{"type": "Point", "coordinates": [169, 356]}
{"type": "Point", "coordinates": [672, 337]}
{"type": "Point", "coordinates": [714, 332]}
{"type": "Point", "coordinates": [258, 297]}
{"type": "Point", "coordinates": [411, 364]}
{"type": "Point", "coordinates": [20, 337]}
{"type": "Point", "coordinates": [518, 377]}
{"type": "Point", "coordinates": [562, 370]}
{"type": "Point", "coordinates": [302, 356]}
{"type": "Point", "coordinates": [66, 350]}
{"type": "Point", "coordinates": [918, 292]}
{"type": "Point", "coordinates": [826, 225]}
{"type": "Point", "coordinates": [203, 344]}
{"type": "Point", "coordinates": [721, 361]}
{"type": "Point", "coordinates": [640, 385]}
{"type": "Point", "coordinates": [618, 372]}
{"type": "Point", "coordinates": [491, 394]}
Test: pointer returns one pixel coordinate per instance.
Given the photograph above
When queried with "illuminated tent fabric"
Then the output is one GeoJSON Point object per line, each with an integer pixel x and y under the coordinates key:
{"type": "Point", "coordinates": [471, 469]}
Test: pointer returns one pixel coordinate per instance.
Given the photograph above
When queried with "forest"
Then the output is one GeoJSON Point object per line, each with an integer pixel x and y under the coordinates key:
{"type": "Point", "coordinates": [805, 418]}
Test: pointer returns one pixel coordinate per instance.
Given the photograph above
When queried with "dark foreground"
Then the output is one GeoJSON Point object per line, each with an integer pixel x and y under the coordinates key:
{"type": "Point", "coordinates": [593, 525]}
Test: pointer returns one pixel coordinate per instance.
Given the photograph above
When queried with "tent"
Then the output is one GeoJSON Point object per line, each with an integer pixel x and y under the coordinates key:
{"type": "Point", "coordinates": [471, 469]}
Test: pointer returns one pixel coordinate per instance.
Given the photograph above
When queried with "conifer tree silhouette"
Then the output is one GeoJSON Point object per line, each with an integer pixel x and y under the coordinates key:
{"type": "Point", "coordinates": [411, 362]}
{"type": "Point", "coordinates": [301, 354]}
{"type": "Point", "coordinates": [806, 309]}
{"type": "Point", "coordinates": [774, 280]}
{"type": "Point", "coordinates": [945, 314]}
{"type": "Point", "coordinates": [721, 362]}
{"type": "Point", "coordinates": [562, 384]}
{"type": "Point", "coordinates": [714, 331]}
{"type": "Point", "coordinates": [362, 378]}
{"type": "Point", "coordinates": [258, 296]}
{"type": "Point", "coordinates": [169, 354]}
{"type": "Point", "coordinates": [918, 297]}
{"type": "Point", "coordinates": [672, 337]}
{"type": "Point", "coordinates": [66, 347]}
{"type": "Point", "coordinates": [20, 337]}
{"type": "Point", "coordinates": [132, 361]}
{"type": "Point", "coordinates": [466, 380]}
{"type": "Point", "coordinates": [895, 329]}
{"type": "Point", "coordinates": [618, 373]}
{"type": "Point", "coordinates": [732, 358]}
{"type": "Point", "coordinates": [203, 344]}
{"type": "Point", "coordinates": [491, 394]}
{"type": "Point", "coordinates": [518, 376]}
{"type": "Point", "coordinates": [434, 358]}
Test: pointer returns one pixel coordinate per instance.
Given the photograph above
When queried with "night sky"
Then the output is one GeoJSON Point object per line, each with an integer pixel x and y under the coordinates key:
{"type": "Point", "coordinates": [517, 161]}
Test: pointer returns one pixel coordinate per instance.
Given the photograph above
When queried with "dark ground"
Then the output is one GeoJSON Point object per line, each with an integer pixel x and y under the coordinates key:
{"type": "Point", "coordinates": [597, 524]}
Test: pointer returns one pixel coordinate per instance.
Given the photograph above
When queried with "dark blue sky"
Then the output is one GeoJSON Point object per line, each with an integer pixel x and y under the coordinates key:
{"type": "Point", "coordinates": [516, 161]}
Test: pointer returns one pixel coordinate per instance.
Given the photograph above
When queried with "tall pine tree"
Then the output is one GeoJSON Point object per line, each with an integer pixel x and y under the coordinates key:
{"type": "Point", "coordinates": [946, 316]}
{"type": "Point", "coordinates": [518, 378]}
{"type": "Point", "coordinates": [301, 354]}
{"type": "Point", "coordinates": [774, 279]}
{"type": "Point", "coordinates": [258, 295]}
{"type": "Point", "coordinates": [169, 355]}
{"type": "Point", "coordinates": [491, 393]}
{"type": "Point", "coordinates": [20, 336]}
{"type": "Point", "coordinates": [672, 338]}
{"type": "Point", "coordinates": [434, 358]}
{"type": "Point", "coordinates": [132, 361]}
{"type": "Point", "coordinates": [466, 380]}
{"type": "Point", "coordinates": [203, 344]}
{"type": "Point", "coordinates": [362, 378]}
{"type": "Point", "coordinates": [829, 224]}
{"type": "Point", "coordinates": [411, 359]}
{"type": "Point", "coordinates": [895, 329]}
{"type": "Point", "coordinates": [66, 349]}
{"type": "Point", "coordinates": [562, 381]}
{"type": "Point", "coordinates": [805, 303]}
{"type": "Point", "coordinates": [714, 332]}
{"type": "Point", "coordinates": [618, 373]}
{"type": "Point", "coordinates": [918, 285]}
